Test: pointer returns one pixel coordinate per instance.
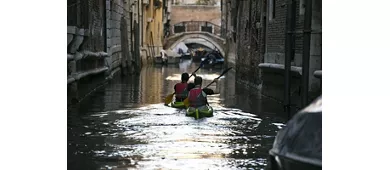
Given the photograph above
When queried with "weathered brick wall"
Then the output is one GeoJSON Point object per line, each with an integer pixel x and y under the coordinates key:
{"type": "Point", "coordinates": [276, 29]}
{"type": "Point", "coordinates": [88, 15]}
{"type": "Point", "coordinates": [227, 28]}
{"type": "Point", "coordinates": [114, 46]}
{"type": "Point", "coordinates": [196, 13]}
{"type": "Point", "coordinates": [254, 32]}
{"type": "Point", "coordinates": [119, 33]}
{"type": "Point", "coordinates": [243, 42]}
{"type": "Point", "coordinates": [98, 40]}
{"type": "Point", "coordinates": [249, 51]}
{"type": "Point", "coordinates": [276, 35]}
{"type": "Point", "coordinates": [258, 38]}
{"type": "Point", "coordinates": [85, 37]}
{"type": "Point", "coordinates": [106, 28]}
{"type": "Point", "coordinates": [298, 37]}
{"type": "Point", "coordinates": [223, 18]}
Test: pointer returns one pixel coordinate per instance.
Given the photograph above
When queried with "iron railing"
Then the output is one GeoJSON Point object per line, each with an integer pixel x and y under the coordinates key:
{"type": "Point", "coordinates": [196, 26]}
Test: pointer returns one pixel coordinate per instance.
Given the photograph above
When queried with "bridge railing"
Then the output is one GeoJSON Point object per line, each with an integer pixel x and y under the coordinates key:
{"type": "Point", "coordinates": [196, 26]}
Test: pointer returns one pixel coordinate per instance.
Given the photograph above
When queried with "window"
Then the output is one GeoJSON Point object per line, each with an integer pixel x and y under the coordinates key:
{"type": "Point", "coordinates": [301, 7]}
{"type": "Point", "coordinates": [272, 9]}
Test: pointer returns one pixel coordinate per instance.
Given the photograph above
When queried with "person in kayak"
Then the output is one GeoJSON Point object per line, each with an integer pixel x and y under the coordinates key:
{"type": "Point", "coordinates": [197, 96]}
{"type": "Point", "coordinates": [191, 85]}
{"type": "Point", "coordinates": [181, 89]}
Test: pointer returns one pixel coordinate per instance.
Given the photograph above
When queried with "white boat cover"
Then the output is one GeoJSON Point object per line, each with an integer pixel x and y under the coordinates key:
{"type": "Point", "coordinates": [168, 53]}
{"type": "Point", "coordinates": [182, 46]}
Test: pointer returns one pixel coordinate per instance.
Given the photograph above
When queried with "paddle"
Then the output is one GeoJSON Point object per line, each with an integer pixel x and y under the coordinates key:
{"type": "Point", "coordinates": [169, 98]}
{"type": "Point", "coordinates": [186, 102]}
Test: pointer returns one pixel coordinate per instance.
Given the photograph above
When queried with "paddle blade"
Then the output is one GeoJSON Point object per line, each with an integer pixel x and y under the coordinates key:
{"type": "Point", "coordinates": [186, 102]}
{"type": "Point", "coordinates": [169, 98]}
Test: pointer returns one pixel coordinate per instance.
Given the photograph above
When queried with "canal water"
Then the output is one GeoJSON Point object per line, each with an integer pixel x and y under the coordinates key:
{"type": "Point", "coordinates": [124, 125]}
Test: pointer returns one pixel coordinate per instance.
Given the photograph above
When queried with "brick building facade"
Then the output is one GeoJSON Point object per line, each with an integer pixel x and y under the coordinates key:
{"type": "Point", "coordinates": [182, 13]}
{"type": "Point", "coordinates": [105, 37]}
{"type": "Point", "coordinates": [255, 31]}
{"type": "Point", "coordinates": [103, 30]}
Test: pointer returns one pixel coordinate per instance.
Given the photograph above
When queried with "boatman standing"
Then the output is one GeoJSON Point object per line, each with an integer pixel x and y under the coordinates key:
{"type": "Point", "coordinates": [197, 96]}
{"type": "Point", "coordinates": [164, 57]}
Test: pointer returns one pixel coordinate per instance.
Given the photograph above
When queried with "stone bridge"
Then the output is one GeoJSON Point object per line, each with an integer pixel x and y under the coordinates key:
{"type": "Point", "coordinates": [192, 31]}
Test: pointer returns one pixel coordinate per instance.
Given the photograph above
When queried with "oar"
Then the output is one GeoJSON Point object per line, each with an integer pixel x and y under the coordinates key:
{"type": "Point", "coordinates": [187, 103]}
{"type": "Point", "coordinates": [169, 98]}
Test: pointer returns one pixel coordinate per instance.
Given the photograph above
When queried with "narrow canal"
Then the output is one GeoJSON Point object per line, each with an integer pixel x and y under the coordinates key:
{"type": "Point", "coordinates": [124, 125]}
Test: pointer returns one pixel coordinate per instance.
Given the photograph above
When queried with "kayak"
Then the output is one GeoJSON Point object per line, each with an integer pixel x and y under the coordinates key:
{"type": "Point", "coordinates": [204, 111]}
{"type": "Point", "coordinates": [179, 105]}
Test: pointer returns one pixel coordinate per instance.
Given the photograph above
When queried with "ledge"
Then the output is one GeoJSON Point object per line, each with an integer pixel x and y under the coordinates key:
{"type": "Point", "coordinates": [86, 54]}
{"type": "Point", "coordinates": [115, 48]}
{"type": "Point", "coordinates": [80, 75]}
{"type": "Point", "coordinates": [81, 32]}
{"type": "Point", "coordinates": [114, 71]}
{"type": "Point", "coordinates": [280, 68]}
{"type": "Point", "coordinates": [95, 54]}
{"type": "Point", "coordinates": [77, 31]}
{"type": "Point", "coordinates": [318, 74]}
{"type": "Point", "coordinates": [71, 30]}
{"type": "Point", "coordinates": [71, 80]}
{"type": "Point", "coordinates": [70, 57]}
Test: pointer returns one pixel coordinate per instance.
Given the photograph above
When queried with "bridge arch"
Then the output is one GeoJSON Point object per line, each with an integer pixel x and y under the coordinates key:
{"type": "Point", "coordinates": [213, 39]}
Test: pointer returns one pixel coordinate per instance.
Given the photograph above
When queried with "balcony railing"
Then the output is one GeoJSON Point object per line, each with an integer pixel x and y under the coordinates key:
{"type": "Point", "coordinates": [196, 26]}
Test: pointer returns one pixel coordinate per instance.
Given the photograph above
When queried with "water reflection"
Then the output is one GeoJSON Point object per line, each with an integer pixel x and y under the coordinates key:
{"type": "Point", "coordinates": [125, 125]}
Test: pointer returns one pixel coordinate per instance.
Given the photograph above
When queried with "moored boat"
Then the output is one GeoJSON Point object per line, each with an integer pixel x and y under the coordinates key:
{"type": "Point", "coordinates": [198, 55]}
{"type": "Point", "coordinates": [299, 144]}
{"type": "Point", "coordinates": [186, 56]}
{"type": "Point", "coordinates": [213, 59]}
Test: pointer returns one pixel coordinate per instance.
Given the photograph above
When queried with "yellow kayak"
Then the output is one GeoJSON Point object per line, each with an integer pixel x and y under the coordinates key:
{"type": "Point", "coordinates": [200, 112]}
{"type": "Point", "coordinates": [179, 105]}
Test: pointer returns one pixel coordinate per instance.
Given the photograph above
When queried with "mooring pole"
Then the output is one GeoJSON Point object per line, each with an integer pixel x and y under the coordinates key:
{"type": "Point", "coordinates": [289, 53]}
{"type": "Point", "coordinates": [306, 52]}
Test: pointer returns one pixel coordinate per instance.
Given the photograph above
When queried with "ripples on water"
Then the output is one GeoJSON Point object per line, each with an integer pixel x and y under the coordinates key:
{"type": "Point", "coordinates": [156, 136]}
{"type": "Point", "coordinates": [153, 136]}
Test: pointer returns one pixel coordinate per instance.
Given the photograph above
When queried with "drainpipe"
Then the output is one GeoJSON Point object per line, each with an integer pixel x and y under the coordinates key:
{"type": "Point", "coordinates": [289, 53]}
{"type": "Point", "coordinates": [306, 52]}
{"type": "Point", "coordinates": [139, 21]}
{"type": "Point", "coordinates": [105, 26]}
